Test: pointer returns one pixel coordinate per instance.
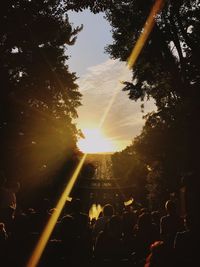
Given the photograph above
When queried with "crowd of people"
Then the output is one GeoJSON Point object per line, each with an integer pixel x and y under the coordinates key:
{"type": "Point", "coordinates": [132, 237]}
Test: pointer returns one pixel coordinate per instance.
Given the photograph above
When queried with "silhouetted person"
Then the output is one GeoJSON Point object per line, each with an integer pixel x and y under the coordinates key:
{"type": "Point", "coordinates": [62, 249]}
{"type": "Point", "coordinates": [81, 220]}
{"type": "Point", "coordinates": [108, 212]}
{"type": "Point", "coordinates": [145, 235]}
{"type": "Point", "coordinates": [155, 217]}
{"type": "Point", "coordinates": [8, 202]}
{"type": "Point", "coordinates": [3, 234]}
{"type": "Point", "coordinates": [186, 244]}
{"type": "Point", "coordinates": [170, 224]}
{"type": "Point", "coordinates": [3, 242]}
{"type": "Point", "coordinates": [129, 220]}
{"type": "Point", "coordinates": [83, 232]}
{"type": "Point", "coordinates": [109, 241]}
{"type": "Point", "coordinates": [159, 256]}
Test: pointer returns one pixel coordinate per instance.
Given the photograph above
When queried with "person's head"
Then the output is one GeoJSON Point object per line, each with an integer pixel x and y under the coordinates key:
{"type": "Point", "coordinates": [155, 215]}
{"type": "Point", "coordinates": [170, 207]}
{"type": "Point", "coordinates": [144, 221]}
{"type": "Point", "coordinates": [76, 205]}
{"type": "Point", "coordinates": [159, 255]}
{"type": "Point", "coordinates": [191, 223]}
{"type": "Point", "coordinates": [108, 210]}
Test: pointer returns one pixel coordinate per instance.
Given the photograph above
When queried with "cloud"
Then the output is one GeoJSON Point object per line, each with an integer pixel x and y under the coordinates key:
{"type": "Point", "coordinates": [124, 119]}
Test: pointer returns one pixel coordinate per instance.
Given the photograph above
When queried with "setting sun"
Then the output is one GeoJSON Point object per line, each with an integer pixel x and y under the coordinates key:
{"type": "Point", "coordinates": [95, 142]}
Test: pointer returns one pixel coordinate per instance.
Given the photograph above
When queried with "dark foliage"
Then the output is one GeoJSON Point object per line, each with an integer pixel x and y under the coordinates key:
{"type": "Point", "coordinates": [167, 70]}
{"type": "Point", "coordinates": [39, 95]}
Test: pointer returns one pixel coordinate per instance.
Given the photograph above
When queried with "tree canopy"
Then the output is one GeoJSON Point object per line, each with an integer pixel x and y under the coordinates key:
{"type": "Point", "coordinates": [167, 71]}
{"type": "Point", "coordinates": [39, 95]}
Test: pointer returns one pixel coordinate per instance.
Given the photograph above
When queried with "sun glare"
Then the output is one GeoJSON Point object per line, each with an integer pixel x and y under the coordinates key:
{"type": "Point", "coordinates": [95, 142]}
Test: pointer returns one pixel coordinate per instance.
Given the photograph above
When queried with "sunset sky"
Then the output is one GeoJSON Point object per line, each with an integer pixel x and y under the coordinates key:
{"type": "Point", "coordinates": [99, 79]}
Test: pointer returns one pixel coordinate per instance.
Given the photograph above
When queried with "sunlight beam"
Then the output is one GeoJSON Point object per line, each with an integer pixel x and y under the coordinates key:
{"type": "Point", "coordinates": [112, 100]}
{"type": "Point", "coordinates": [54, 217]}
{"type": "Point", "coordinates": [148, 26]}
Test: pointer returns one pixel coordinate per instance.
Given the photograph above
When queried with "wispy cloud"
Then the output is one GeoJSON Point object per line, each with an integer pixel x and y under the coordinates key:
{"type": "Point", "coordinates": [98, 85]}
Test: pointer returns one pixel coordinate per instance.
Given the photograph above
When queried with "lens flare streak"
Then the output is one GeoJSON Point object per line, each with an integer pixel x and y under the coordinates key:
{"type": "Point", "coordinates": [54, 217]}
{"type": "Point", "coordinates": [149, 24]}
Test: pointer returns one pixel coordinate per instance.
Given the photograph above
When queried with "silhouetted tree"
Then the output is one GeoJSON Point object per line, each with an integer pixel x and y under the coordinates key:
{"type": "Point", "coordinates": [39, 95]}
{"type": "Point", "coordinates": [167, 71]}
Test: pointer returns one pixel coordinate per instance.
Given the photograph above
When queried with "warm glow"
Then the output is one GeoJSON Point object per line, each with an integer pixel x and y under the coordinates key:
{"type": "Point", "coordinates": [95, 142]}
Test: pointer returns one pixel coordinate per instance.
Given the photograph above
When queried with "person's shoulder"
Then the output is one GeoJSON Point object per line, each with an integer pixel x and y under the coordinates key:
{"type": "Point", "coordinates": [67, 217]}
{"type": "Point", "coordinates": [181, 238]}
{"type": "Point", "coordinates": [183, 234]}
{"type": "Point", "coordinates": [164, 218]}
{"type": "Point", "coordinates": [66, 220]}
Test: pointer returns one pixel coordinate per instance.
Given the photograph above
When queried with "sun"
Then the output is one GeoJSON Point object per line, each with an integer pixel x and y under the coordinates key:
{"type": "Point", "coordinates": [95, 142]}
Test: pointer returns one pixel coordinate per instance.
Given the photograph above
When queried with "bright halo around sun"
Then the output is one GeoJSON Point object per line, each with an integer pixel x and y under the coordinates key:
{"type": "Point", "coordinates": [95, 142]}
